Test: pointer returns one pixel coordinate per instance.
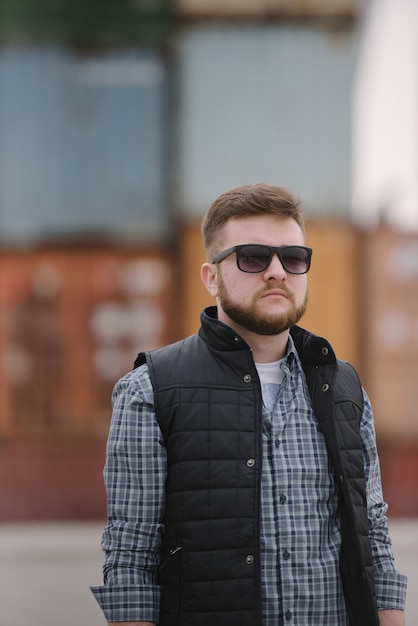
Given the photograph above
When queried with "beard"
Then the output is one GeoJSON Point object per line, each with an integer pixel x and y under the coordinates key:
{"type": "Point", "coordinates": [260, 323]}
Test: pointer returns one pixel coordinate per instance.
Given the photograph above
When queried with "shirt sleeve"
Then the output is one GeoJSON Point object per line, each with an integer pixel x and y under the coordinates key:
{"type": "Point", "coordinates": [134, 476]}
{"type": "Point", "coordinates": [390, 584]}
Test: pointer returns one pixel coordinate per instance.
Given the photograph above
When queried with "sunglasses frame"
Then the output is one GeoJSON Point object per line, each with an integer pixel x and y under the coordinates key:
{"type": "Point", "coordinates": [272, 250]}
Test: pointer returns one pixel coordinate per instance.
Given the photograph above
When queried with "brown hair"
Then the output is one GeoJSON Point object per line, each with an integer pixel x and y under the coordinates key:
{"type": "Point", "coordinates": [248, 200]}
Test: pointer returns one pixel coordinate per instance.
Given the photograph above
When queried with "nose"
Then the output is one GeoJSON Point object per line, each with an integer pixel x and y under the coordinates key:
{"type": "Point", "coordinates": [275, 270]}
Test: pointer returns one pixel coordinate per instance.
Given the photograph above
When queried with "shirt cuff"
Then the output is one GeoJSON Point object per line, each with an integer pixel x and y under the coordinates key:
{"type": "Point", "coordinates": [129, 603]}
{"type": "Point", "coordinates": [391, 592]}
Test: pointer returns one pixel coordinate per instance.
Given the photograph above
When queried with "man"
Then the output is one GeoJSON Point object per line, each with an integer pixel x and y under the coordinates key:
{"type": "Point", "coordinates": [242, 474]}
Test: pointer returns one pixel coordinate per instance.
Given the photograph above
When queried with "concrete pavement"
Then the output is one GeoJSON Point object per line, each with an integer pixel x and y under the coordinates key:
{"type": "Point", "coordinates": [46, 571]}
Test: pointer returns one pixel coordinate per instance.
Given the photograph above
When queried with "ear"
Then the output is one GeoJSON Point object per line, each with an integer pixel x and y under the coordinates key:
{"type": "Point", "coordinates": [209, 276]}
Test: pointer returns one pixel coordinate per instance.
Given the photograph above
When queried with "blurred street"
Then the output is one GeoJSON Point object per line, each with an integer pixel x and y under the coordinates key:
{"type": "Point", "coordinates": [46, 571]}
{"type": "Point", "coordinates": [45, 574]}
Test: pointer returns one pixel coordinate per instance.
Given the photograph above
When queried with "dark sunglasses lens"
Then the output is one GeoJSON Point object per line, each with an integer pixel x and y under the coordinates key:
{"type": "Point", "coordinates": [253, 258]}
{"type": "Point", "coordinates": [295, 259]}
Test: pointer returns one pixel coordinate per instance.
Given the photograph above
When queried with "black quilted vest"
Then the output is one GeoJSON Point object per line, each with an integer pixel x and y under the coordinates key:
{"type": "Point", "coordinates": [208, 405]}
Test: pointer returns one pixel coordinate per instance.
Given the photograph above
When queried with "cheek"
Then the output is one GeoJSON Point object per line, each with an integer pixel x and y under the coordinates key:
{"type": "Point", "coordinates": [229, 284]}
{"type": "Point", "coordinates": [301, 288]}
{"type": "Point", "coordinates": [243, 288]}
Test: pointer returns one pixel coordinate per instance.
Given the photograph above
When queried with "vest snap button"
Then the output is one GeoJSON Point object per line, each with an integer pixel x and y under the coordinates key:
{"type": "Point", "coordinates": [325, 351]}
{"type": "Point", "coordinates": [249, 559]}
{"type": "Point", "coordinates": [250, 463]}
{"type": "Point", "coordinates": [325, 387]}
{"type": "Point", "coordinates": [247, 378]}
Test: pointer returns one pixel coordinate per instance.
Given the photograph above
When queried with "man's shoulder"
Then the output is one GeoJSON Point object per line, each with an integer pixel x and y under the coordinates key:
{"type": "Point", "coordinates": [165, 352]}
{"type": "Point", "coordinates": [135, 382]}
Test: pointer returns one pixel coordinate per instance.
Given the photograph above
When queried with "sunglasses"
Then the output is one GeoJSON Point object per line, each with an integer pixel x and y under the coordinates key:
{"type": "Point", "coordinates": [255, 257]}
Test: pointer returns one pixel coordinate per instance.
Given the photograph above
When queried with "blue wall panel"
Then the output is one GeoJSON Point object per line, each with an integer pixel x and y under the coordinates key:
{"type": "Point", "coordinates": [82, 144]}
{"type": "Point", "coordinates": [265, 104]}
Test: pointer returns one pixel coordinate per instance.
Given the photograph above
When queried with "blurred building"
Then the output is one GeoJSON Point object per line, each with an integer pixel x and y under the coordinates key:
{"type": "Point", "coordinates": [385, 117]}
{"type": "Point", "coordinates": [119, 125]}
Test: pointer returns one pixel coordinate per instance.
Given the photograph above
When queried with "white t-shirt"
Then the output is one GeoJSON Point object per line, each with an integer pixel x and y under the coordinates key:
{"type": "Point", "coordinates": [271, 376]}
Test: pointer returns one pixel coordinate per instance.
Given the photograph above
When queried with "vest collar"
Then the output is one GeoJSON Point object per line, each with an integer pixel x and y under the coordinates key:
{"type": "Point", "coordinates": [312, 349]}
{"type": "Point", "coordinates": [217, 334]}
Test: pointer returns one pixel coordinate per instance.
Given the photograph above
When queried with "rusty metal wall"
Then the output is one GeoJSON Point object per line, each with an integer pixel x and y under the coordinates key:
{"type": "Point", "coordinates": [71, 323]}
{"type": "Point", "coordinates": [389, 325]}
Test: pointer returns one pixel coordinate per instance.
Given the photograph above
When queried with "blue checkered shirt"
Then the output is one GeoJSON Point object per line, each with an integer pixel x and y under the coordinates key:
{"type": "Point", "coordinates": [300, 535]}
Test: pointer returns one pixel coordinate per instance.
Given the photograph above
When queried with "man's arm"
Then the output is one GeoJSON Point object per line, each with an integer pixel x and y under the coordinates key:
{"type": "Point", "coordinates": [390, 584]}
{"type": "Point", "coordinates": [391, 618]}
{"type": "Point", "coordinates": [135, 475]}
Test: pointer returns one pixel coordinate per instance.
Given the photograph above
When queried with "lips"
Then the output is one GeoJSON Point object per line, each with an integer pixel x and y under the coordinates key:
{"type": "Point", "coordinates": [275, 292]}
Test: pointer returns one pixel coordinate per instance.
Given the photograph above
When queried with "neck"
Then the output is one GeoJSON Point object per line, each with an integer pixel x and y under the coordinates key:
{"type": "Point", "coordinates": [267, 348]}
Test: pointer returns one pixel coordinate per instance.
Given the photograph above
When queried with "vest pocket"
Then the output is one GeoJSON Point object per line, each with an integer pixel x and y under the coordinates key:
{"type": "Point", "coordinates": [171, 581]}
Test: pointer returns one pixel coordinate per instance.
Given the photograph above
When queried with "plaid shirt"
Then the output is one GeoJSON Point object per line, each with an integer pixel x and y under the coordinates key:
{"type": "Point", "coordinates": [300, 536]}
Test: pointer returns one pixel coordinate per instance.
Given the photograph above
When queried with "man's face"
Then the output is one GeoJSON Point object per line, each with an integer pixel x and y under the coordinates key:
{"type": "Point", "coordinates": [265, 303]}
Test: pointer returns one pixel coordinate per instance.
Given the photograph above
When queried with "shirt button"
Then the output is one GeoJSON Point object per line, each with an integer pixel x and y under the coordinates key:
{"type": "Point", "coordinates": [250, 463]}
{"type": "Point", "coordinates": [247, 378]}
{"type": "Point", "coordinates": [283, 499]}
{"type": "Point", "coordinates": [288, 615]}
{"type": "Point", "coordinates": [249, 559]}
{"type": "Point", "coordinates": [286, 555]}
{"type": "Point", "coordinates": [277, 443]}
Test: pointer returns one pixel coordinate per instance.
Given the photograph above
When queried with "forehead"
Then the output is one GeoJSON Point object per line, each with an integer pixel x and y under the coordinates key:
{"type": "Point", "coordinates": [268, 229]}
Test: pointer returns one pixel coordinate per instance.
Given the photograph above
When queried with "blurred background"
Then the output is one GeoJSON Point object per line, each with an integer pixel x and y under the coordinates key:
{"type": "Point", "coordinates": [120, 122]}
